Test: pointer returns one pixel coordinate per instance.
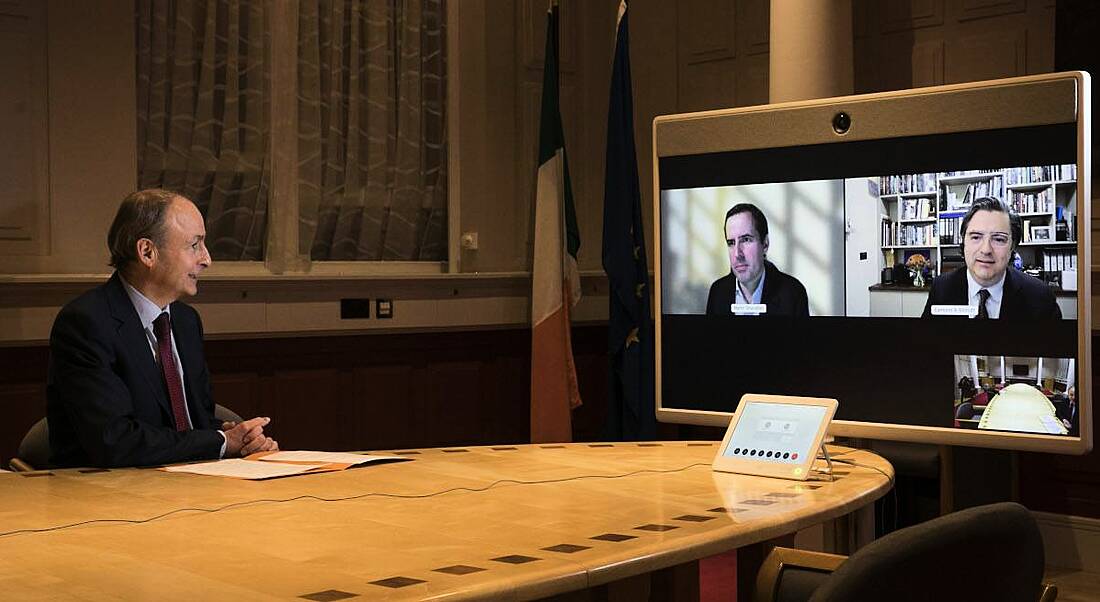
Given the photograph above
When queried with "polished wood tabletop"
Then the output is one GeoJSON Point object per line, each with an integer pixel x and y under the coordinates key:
{"type": "Point", "coordinates": [505, 522]}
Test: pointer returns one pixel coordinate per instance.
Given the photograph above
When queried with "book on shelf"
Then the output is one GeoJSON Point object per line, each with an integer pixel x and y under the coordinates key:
{"type": "Point", "coordinates": [1056, 260]}
{"type": "Point", "coordinates": [1032, 202]}
{"type": "Point", "coordinates": [902, 184]}
{"type": "Point", "coordinates": [949, 230]}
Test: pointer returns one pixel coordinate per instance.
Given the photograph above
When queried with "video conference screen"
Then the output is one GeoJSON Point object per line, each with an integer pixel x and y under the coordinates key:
{"type": "Point", "coordinates": [926, 281]}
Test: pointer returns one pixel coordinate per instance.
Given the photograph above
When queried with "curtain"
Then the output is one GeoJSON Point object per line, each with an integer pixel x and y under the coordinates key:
{"type": "Point", "coordinates": [203, 106]}
{"type": "Point", "coordinates": [371, 134]}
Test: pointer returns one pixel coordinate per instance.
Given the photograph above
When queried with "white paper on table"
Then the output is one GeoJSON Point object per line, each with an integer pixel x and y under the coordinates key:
{"type": "Point", "coordinates": [244, 469]}
{"type": "Point", "coordinates": [326, 457]}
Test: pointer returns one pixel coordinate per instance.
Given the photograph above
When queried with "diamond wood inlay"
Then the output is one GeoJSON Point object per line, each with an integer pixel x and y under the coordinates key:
{"type": "Point", "coordinates": [729, 510]}
{"type": "Point", "coordinates": [694, 518]}
{"type": "Point", "coordinates": [459, 569]}
{"type": "Point", "coordinates": [329, 595]}
{"type": "Point", "coordinates": [397, 582]}
{"type": "Point", "coordinates": [615, 537]}
{"type": "Point", "coordinates": [567, 548]}
{"type": "Point", "coordinates": [657, 528]}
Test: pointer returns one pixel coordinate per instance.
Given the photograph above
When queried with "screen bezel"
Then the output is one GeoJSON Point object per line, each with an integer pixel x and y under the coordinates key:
{"type": "Point", "coordinates": [997, 104]}
{"type": "Point", "coordinates": [798, 472]}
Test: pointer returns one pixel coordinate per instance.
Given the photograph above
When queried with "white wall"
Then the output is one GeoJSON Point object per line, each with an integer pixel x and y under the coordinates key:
{"type": "Point", "coordinates": [862, 209]}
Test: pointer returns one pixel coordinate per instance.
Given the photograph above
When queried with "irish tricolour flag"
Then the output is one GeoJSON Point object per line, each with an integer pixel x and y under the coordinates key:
{"type": "Point", "coordinates": [555, 283]}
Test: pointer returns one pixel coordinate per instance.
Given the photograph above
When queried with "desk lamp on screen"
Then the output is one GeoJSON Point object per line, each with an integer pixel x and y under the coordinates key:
{"type": "Point", "coordinates": [922, 256]}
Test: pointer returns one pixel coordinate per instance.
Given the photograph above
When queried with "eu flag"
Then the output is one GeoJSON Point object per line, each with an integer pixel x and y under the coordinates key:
{"type": "Point", "coordinates": [631, 413]}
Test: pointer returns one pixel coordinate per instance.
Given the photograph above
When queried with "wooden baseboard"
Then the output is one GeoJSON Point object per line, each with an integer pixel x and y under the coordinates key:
{"type": "Point", "coordinates": [1071, 542]}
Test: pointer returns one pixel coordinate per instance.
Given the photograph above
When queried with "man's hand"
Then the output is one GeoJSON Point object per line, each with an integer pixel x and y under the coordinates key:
{"type": "Point", "coordinates": [247, 438]}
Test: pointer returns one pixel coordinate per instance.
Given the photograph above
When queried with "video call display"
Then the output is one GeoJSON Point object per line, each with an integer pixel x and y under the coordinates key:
{"type": "Point", "coordinates": [916, 280]}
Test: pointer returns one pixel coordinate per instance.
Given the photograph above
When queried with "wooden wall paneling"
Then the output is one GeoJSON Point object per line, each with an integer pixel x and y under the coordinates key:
{"type": "Point", "coordinates": [454, 395]}
{"type": "Point", "coordinates": [307, 409]}
{"type": "Point", "coordinates": [238, 391]}
{"type": "Point", "coordinates": [24, 196]}
{"type": "Point", "coordinates": [22, 394]}
{"type": "Point", "coordinates": [706, 39]}
{"type": "Point", "coordinates": [1040, 35]}
{"type": "Point", "coordinates": [389, 396]}
{"type": "Point", "coordinates": [1063, 484]}
{"type": "Point", "coordinates": [893, 57]}
{"type": "Point", "coordinates": [861, 17]}
{"type": "Point", "coordinates": [985, 54]}
{"type": "Point", "coordinates": [655, 72]}
{"type": "Point", "coordinates": [707, 30]}
{"type": "Point", "coordinates": [525, 162]}
{"type": "Point", "coordinates": [493, 204]}
{"type": "Point", "coordinates": [507, 382]}
{"type": "Point", "coordinates": [753, 27]}
{"type": "Point", "coordinates": [531, 28]}
{"type": "Point", "coordinates": [927, 64]}
{"type": "Point", "coordinates": [865, 74]}
{"type": "Point", "coordinates": [906, 15]}
{"type": "Point", "coordinates": [585, 95]}
{"type": "Point", "coordinates": [982, 9]}
{"type": "Point", "coordinates": [22, 405]}
{"type": "Point", "coordinates": [589, 420]}
{"type": "Point", "coordinates": [707, 85]}
{"type": "Point", "coordinates": [752, 80]}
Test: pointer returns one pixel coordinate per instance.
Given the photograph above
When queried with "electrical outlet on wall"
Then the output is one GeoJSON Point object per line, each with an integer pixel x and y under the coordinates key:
{"type": "Point", "coordinates": [383, 308]}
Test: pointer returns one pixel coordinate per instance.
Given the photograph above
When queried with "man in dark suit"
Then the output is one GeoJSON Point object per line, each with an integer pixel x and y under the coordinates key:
{"type": "Point", "coordinates": [991, 232]}
{"type": "Point", "coordinates": [128, 383]}
{"type": "Point", "coordinates": [753, 280]}
{"type": "Point", "coordinates": [1067, 411]}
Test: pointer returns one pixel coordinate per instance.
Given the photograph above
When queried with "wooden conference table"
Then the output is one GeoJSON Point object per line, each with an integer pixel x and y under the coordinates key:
{"type": "Point", "coordinates": [506, 522]}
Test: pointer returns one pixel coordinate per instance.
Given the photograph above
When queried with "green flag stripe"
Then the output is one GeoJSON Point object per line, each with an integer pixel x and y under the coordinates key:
{"type": "Point", "coordinates": [551, 137]}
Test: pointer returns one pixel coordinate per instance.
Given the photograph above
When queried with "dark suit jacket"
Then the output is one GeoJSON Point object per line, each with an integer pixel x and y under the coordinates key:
{"type": "Point", "coordinates": [107, 404]}
{"type": "Point", "coordinates": [783, 294]}
{"type": "Point", "coordinates": [1024, 297]}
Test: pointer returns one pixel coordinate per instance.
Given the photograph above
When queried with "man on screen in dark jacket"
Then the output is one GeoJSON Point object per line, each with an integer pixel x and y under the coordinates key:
{"type": "Point", "coordinates": [753, 280]}
{"type": "Point", "coordinates": [991, 288]}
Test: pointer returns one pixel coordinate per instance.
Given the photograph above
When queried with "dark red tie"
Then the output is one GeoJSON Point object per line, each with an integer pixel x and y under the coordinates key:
{"type": "Point", "coordinates": [162, 328]}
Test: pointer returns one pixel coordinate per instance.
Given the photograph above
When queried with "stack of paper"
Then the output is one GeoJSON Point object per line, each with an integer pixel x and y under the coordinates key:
{"type": "Point", "coordinates": [269, 465]}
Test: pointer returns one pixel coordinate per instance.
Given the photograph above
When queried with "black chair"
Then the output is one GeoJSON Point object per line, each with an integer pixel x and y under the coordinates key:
{"type": "Point", "coordinates": [989, 553]}
{"type": "Point", "coordinates": [965, 411]}
{"type": "Point", "coordinates": [34, 449]}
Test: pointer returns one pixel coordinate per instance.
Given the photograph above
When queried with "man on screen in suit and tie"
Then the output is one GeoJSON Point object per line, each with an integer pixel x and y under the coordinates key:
{"type": "Point", "coordinates": [991, 232]}
{"type": "Point", "coordinates": [752, 278]}
{"type": "Point", "coordinates": [128, 383]}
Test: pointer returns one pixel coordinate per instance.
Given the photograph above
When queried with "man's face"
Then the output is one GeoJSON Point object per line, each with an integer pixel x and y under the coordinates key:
{"type": "Point", "coordinates": [987, 246]}
{"type": "Point", "coordinates": [747, 251]}
{"type": "Point", "coordinates": [182, 255]}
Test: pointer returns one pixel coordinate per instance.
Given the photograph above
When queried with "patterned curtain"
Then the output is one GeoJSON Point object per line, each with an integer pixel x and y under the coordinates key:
{"type": "Point", "coordinates": [372, 154]}
{"type": "Point", "coordinates": [203, 114]}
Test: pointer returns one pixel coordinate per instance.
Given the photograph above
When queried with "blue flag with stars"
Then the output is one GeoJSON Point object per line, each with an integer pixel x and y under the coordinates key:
{"type": "Point", "coordinates": [631, 412]}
